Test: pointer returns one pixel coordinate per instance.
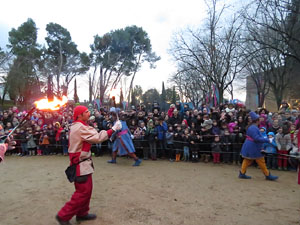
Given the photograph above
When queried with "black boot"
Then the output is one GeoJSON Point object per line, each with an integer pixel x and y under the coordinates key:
{"type": "Point", "coordinates": [62, 222]}
{"type": "Point", "coordinates": [86, 217]}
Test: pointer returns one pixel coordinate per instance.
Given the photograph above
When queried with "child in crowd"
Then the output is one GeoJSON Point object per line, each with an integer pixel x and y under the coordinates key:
{"type": "Point", "coordinates": [263, 131]}
{"type": "Point", "coordinates": [226, 144]}
{"type": "Point", "coordinates": [224, 126]}
{"type": "Point", "coordinates": [186, 145]}
{"type": "Point", "coordinates": [271, 150]}
{"type": "Point", "coordinates": [151, 134]}
{"type": "Point", "coordinates": [232, 125]}
{"type": "Point", "coordinates": [138, 138]}
{"type": "Point", "coordinates": [170, 142]}
{"type": "Point", "coordinates": [206, 133]}
{"type": "Point", "coordinates": [64, 138]}
{"type": "Point", "coordinates": [23, 141]}
{"type": "Point", "coordinates": [216, 149]}
{"type": "Point", "coordinates": [36, 135]}
{"type": "Point", "coordinates": [178, 142]}
{"type": "Point", "coordinates": [162, 128]}
{"type": "Point", "coordinates": [44, 142]}
{"type": "Point", "coordinates": [31, 145]}
{"type": "Point", "coordinates": [215, 128]}
{"type": "Point", "coordinates": [283, 141]}
{"type": "Point", "coordinates": [194, 145]}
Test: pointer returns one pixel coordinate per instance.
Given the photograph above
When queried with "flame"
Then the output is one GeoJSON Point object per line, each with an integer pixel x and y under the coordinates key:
{"type": "Point", "coordinates": [114, 92]}
{"type": "Point", "coordinates": [45, 104]}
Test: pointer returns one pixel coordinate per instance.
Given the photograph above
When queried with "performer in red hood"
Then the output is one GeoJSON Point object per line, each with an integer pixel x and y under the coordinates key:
{"type": "Point", "coordinates": [81, 137]}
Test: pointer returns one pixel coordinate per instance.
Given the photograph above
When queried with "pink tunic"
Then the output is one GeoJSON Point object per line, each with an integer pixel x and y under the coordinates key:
{"type": "Point", "coordinates": [81, 138]}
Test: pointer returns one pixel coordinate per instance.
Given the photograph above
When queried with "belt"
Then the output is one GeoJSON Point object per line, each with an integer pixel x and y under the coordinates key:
{"type": "Point", "coordinates": [249, 138]}
{"type": "Point", "coordinates": [123, 132]}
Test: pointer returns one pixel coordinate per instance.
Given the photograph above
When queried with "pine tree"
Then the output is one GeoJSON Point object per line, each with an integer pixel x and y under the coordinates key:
{"type": "Point", "coordinates": [174, 95]}
{"type": "Point", "coordinates": [163, 97]}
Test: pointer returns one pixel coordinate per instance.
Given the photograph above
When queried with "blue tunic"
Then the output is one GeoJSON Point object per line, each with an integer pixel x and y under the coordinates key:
{"type": "Point", "coordinates": [253, 144]}
{"type": "Point", "coordinates": [123, 142]}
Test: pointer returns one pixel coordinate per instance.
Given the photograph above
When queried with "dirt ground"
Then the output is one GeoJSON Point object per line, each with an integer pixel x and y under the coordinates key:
{"type": "Point", "coordinates": [33, 189]}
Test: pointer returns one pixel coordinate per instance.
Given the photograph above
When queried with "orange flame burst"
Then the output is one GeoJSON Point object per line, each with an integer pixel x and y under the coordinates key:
{"type": "Point", "coordinates": [114, 92]}
{"type": "Point", "coordinates": [45, 104]}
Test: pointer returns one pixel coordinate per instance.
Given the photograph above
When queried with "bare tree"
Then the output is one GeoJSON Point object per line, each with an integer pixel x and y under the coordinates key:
{"type": "Point", "coordinates": [280, 17]}
{"type": "Point", "coordinates": [212, 51]}
{"type": "Point", "coordinates": [192, 85]}
{"type": "Point", "coordinates": [258, 68]}
{"type": "Point", "coordinates": [270, 31]}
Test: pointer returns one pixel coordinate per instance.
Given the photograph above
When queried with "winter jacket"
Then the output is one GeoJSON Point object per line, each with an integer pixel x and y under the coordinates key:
{"type": "Point", "coordinates": [161, 130]}
{"type": "Point", "coordinates": [270, 148]}
{"type": "Point", "coordinates": [283, 141]}
{"type": "Point", "coordinates": [170, 137]}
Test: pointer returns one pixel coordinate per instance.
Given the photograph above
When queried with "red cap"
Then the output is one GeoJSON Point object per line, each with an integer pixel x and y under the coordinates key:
{"type": "Point", "coordinates": [79, 110]}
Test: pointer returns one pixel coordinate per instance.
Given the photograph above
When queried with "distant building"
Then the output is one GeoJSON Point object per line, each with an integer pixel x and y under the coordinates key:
{"type": "Point", "coordinates": [292, 95]}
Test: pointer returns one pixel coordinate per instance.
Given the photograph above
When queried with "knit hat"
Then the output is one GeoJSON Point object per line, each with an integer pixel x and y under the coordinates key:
{"type": "Point", "coordinates": [79, 110]}
{"type": "Point", "coordinates": [253, 116]}
{"type": "Point", "coordinates": [271, 133]}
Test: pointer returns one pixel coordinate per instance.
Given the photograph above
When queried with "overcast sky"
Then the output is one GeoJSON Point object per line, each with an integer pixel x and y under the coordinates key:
{"type": "Point", "coordinates": [85, 19]}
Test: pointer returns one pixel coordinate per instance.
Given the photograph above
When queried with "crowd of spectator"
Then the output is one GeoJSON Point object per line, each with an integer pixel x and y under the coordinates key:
{"type": "Point", "coordinates": [179, 134]}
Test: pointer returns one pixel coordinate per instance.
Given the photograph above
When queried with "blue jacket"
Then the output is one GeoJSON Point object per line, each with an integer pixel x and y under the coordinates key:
{"type": "Point", "coordinates": [161, 130]}
{"type": "Point", "coordinates": [270, 147]}
{"type": "Point", "coordinates": [254, 143]}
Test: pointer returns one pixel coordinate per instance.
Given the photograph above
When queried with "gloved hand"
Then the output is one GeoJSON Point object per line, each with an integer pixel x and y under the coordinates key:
{"type": "Point", "coordinates": [117, 126]}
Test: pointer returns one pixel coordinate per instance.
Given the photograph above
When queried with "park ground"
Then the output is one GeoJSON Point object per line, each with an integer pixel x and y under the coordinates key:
{"type": "Point", "coordinates": [33, 189]}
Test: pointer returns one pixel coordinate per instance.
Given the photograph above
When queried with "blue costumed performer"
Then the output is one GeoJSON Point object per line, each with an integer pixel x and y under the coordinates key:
{"type": "Point", "coordinates": [122, 141]}
{"type": "Point", "coordinates": [251, 149]}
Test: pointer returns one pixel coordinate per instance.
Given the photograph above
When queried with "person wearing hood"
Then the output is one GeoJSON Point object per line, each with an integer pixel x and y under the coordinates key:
{"type": "Point", "coordinates": [263, 132]}
{"type": "Point", "coordinates": [251, 150]}
{"type": "Point", "coordinates": [170, 110]}
{"type": "Point", "coordinates": [271, 150]}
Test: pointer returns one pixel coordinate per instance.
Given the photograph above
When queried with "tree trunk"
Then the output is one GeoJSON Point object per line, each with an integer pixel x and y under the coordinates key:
{"type": "Point", "coordinates": [221, 92]}
{"type": "Point", "coordinates": [59, 68]}
{"type": "Point", "coordinates": [133, 76]}
{"type": "Point", "coordinates": [278, 96]}
{"type": "Point", "coordinates": [90, 88]}
{"type": "Point", "coordinates": [101, 91]}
